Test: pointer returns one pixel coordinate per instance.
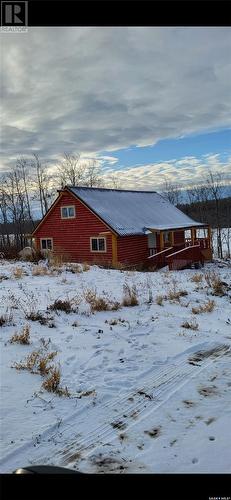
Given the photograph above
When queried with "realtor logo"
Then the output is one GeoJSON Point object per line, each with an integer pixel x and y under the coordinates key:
{"type": "Point", "coordinates": [14, 14]}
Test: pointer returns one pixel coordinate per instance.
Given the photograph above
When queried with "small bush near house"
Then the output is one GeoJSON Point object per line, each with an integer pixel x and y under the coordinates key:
{"type": "Point", "coordinates": [85, 266]}
{"type": "Point", "coordinates": [23, 337]}
{"type": "Point", "coordinates": [207, 307]}
{"type": "Point", "coordinates": [130, 298]}
{"type": "Point", "coordinates": [74, 269]}
{"type": "Point", "coordinates": [191, 325]}
{"type": "Point", "coordinates": [197, 278]}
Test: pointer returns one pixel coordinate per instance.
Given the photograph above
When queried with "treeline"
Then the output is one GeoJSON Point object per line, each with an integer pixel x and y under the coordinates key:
{"type": "Point", "coordinates": [206, 211]}
{"type": "Point", "coordinates": [32, 183]}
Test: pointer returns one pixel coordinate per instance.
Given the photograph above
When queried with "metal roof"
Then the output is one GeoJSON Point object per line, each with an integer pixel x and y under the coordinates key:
{"type": "Point", "coordinates": [133, 212]}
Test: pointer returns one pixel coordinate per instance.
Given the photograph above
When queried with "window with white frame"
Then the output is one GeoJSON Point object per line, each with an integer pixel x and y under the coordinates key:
{"type": "Point", "coordinates": [98, 244]}
{"type": "Point", "coordinates": [68, 212]}
{"type": "Point", "coordinates": [46, 243]}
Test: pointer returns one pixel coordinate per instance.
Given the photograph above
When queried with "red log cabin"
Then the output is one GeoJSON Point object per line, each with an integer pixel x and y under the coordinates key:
{"type": "Point", "coordinates": [112, 226]}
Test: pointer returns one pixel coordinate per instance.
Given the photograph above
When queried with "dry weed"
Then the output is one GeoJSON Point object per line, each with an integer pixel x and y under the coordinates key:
{"type": "Point", "coordinates": [23, 337]}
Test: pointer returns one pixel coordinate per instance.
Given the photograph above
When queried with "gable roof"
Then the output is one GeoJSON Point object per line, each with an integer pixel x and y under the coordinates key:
{"type": "Point", "coordinates": [133, 212]}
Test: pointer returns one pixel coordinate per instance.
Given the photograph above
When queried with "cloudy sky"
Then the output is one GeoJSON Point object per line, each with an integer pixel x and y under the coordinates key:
{"type": "Point", "coordinates": [149, 103]}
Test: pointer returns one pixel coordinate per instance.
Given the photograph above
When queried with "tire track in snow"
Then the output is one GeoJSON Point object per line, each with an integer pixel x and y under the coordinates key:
{"type": "Point", "coordinates": [158, 385]}
{"type": "Point", "coordinates": [157, 390]}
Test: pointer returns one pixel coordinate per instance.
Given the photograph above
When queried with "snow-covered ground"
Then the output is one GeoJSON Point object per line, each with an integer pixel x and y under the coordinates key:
{"type": "Point", "coordinates": [141, 397]}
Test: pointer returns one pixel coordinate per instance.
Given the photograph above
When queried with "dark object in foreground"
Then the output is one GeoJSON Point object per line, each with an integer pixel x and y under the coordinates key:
{"type": "Point", "coordinates": [45, 469]}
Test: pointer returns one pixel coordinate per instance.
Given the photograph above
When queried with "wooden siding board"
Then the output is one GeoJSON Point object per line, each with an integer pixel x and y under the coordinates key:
{"type": "Point", "coordinates": [72, 236]}
{"type": "Point", "coordinates": [132, 249]}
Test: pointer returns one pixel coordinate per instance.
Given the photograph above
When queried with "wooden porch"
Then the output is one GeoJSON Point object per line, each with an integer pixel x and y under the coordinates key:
{"type": "Point", "coordinates": [178, 253]}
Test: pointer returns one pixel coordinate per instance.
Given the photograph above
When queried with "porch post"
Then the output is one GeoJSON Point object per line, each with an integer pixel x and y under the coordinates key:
{"type": "Point", "coordinates": [172, 238]}
{"type": "Point", "coordinates": [209, 236]}
{"type": "Point", "coordinates": [192, 235]}
{"type": "Point", "coordinates": [161, 241]}
{"type": "Point", "coordinates": [114, 249]}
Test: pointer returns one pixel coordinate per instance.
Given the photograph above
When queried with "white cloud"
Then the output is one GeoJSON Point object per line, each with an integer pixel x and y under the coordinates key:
{"type": "Point", "coordinates": [103, 89]}
{"type": "Point", "coordinates": [183, 172]}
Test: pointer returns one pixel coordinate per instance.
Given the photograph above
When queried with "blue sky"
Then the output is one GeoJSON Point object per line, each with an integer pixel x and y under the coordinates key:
{"type": "Point", "coordinates": [198, 145]}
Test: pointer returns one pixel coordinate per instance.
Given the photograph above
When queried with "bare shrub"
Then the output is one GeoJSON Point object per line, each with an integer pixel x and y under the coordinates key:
{"type": "Point", "coordinates": [37, 362]}
{"type": "Point", "coordinates": [40, 271]}
{"type": "Point", "coordinates": [61, 305]}
{"type": "Point", "coordinates": [29, 362]}
{"type": "Point", "coordinates": [43, 366]}
{"type": "Point", "coordinates": [207, 307]}
{"type": "Point", "coordinates": [197, 278]}
{"type": "Point", "coordinates": [74, 269]}
{"type": "Point", "coordinates": [6, 319]}
{"type": "Point", "coordinates": [18, 272]}
{"type": "Point", "coordinates": [175, 295]}
{"type": "Point", "coordinates": [37, 316]}
{"type": "Point", "coordinates": [52, 383]}
{"type": "Point", "coordinates": [23, 337]}
{"type": "Point", "coordinates": [214, 281]}
{"type": "Point", "coordinates": [85, 267]}
{"type": "Point", "coordinates": [159, 300]}
{"type": "Point", "coordinates": [100, 303]}
{"type": "Point", "coordinates": [191, 325]}
{"type": "Point", "coordinates": [130, 298]}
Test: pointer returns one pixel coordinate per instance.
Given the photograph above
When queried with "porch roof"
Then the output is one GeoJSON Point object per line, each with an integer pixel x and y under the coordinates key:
{"type": "Point", "coordinates": [175, 227]}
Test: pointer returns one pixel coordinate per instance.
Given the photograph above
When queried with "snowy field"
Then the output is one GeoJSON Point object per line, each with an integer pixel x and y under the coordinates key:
{"type": "Point", "coordinates": [144, 388]}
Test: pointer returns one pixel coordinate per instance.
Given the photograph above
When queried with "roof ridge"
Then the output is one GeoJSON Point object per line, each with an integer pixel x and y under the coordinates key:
{"type": "Point", "coordinates": [109, 189]}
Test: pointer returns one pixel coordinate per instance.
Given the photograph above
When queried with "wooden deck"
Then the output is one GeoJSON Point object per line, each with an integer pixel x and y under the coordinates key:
{"type": "Point", "coordinates": [191, 252]}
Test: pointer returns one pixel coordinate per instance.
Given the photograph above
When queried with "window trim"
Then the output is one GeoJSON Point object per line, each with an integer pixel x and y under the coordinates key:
{"type": "Point", "coordinates": [98, 238]}
{"type": "Point", "coordinates": [45, 249]}
{"type": "Point", "coordinates": [67, 206]}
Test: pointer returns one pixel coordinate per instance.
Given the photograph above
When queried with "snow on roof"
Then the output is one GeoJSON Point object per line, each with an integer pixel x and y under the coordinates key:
{"type": "Point", "coordinates": [133, 212]}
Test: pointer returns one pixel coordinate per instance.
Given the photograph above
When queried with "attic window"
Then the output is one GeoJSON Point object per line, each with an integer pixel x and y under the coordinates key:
{"type": "Point", "coordinates": [68, 212]}
{"type": "Point", "coordinates": [98, 244]}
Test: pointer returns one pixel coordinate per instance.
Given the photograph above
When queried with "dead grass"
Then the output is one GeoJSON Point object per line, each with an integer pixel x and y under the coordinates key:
{"type": "Point", "coordinates": [43, 367]}
{"type": "Point", "coordinates": [197, 278]}
{"type": "Point", "coordinates": [23, 337]}
{"type": "Point", "coordinates": [174, 295]}
{"type": "Point", "coordinates": [85, 267]}
{"type": "Point", "coordinates": [159, 300]}
{"type": "Point", "coordinates": [100, 303]}
{"type": "Point", "coordinates": [6, 319]}
{"type": "Point", "coordinates": [40, 271]}
{"type": "Point", "coordinates": [37, 362]}
{"type": "Point", "coordinates": [191, 325]}
{"type": "Point", "coordinates": [214, 281]}
{"type": "Point", "coordinates": [52, 383]}
{"type": "Point", "coordinates": [61, 305]}
{"type": "Point", "coordinates": [74, 269]}
{"type": "Point", "coordinates": [207, 307]}
{"type": "Point", "coordinates": [18, 272]}
{"type": "Point", "coordinates": [130, 298]}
